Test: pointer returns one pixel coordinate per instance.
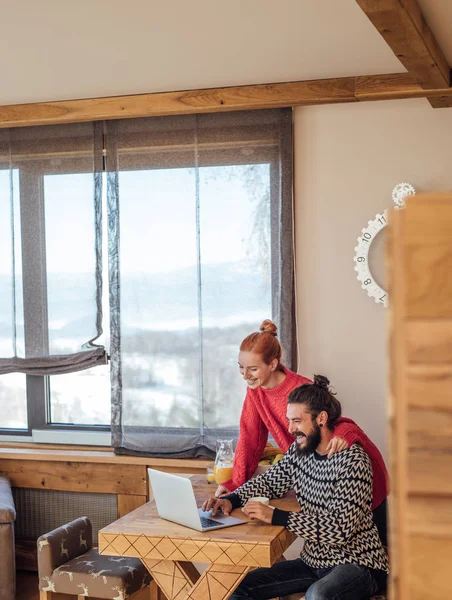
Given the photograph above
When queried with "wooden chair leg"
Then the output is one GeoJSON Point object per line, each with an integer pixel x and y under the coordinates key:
{"type": "Point", "coordinates": [43, 595]}
{"type": "Point", "coordinates": [153, 590]}
{"type": "Point", "coordinates": [155, 593]}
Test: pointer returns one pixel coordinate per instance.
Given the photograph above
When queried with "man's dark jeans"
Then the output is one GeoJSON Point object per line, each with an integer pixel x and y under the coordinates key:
{"type": "Point", "coordinates": [344, 582]}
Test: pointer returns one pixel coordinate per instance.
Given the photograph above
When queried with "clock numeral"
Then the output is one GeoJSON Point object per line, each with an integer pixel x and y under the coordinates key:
{"type": "Point", "coordinates": [367, 236]}
{"type": "Point", "coordinates": [382, 298]}
{"type": "Point", "coordinates": [367, 281]}
{"type": "Point", "coordinates": [382, 220]}
{"type": "Point", "coordinates": [361, 259]}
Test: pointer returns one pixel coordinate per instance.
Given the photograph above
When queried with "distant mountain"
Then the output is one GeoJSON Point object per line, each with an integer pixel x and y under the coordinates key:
{"type": "Point", "coordinates": [230, 294]}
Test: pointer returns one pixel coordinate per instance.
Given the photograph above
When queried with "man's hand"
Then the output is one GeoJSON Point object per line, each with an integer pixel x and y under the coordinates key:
{"type": "Point", "coordinates": [221, 489]}
{"type": "Point", "coordinates": [336, 444]}
{"type": "Point", "coordinates": [217, 504]}
{"type": "Point", "coordinates": [258, 511]}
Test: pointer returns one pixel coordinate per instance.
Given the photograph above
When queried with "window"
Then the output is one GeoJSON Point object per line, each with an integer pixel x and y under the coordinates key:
{"type": "Point", "coordinates": [199, 218]}
{"type": "Point", "coordinates": [50, 192]}
{"type": "Point", "coordinates": [197, 209]}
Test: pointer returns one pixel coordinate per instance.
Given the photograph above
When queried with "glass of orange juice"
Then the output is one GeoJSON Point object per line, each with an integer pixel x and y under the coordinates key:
{"type": "Point", "coordinates": [224, 461]}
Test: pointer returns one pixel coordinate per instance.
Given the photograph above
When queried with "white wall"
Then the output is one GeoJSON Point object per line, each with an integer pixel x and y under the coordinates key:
{"type": "Point", "coordinates": [347, 160]}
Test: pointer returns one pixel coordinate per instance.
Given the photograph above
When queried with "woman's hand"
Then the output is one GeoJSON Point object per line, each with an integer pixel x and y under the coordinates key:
{"type": "Point", "coordinates": [336, 444]}
{"type": "Point", "coordinates": [258, 511]}
{"type": "Point", "coordinates": [216, 504]}
{"type": "Point", "coordinates": [221, 489]}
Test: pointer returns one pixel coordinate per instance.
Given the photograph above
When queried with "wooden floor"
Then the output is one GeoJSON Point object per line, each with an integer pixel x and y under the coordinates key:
{"type": "Point", "coordinates": [27, 588]}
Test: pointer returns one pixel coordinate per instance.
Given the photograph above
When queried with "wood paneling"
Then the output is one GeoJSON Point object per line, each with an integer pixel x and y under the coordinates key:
{"type": "Point", "coordinates": [76, 477]}
{"type": "Point", "coordinates": [405, 30]}
{"type": "Point", "coordinates": [430, 430]}
{"type": "Point", "coordinates": [429, 567]}
{"type": "Point", "coordinates": [429, 341]}
{"type": "Point", "coordinates": [430, 516]}
{"type": "Point", "coordinates": [129, 503]}
{"type": "Point", "coordinates": [420, 260]}
{"type": "Point", "coordinates": [430, 473]}
{"type": "Point", "coordinates": [105, 456]}
{"type": "Point", "coordinates": [429, 386]}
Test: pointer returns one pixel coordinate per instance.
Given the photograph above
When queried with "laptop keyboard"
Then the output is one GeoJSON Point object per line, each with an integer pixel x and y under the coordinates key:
{"type": "Point", "coordinates": [206, 522]}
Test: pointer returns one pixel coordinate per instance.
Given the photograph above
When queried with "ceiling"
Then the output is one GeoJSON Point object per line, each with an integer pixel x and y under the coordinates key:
{"type": "Point", "coordinates": [61, 49]}
{"type": "Point", "coordinates": [438, 14]}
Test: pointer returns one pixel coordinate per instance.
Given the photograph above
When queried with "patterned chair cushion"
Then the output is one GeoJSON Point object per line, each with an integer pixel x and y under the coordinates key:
{"type": "Point", "coordinates": [99, 576]}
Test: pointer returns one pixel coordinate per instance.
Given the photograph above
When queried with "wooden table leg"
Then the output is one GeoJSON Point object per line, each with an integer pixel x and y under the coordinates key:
{"type": "Point", "coordinates": [181, 580]}
{"type": "Point", "coordinates": [174, 578]}
{"type": "Point", "coordinates": [217, 582]}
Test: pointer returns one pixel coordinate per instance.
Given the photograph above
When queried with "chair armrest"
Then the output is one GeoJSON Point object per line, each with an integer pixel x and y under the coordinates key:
{"type": "Point", "coordinates": [7, 508]}
{"type": "Point", "coordinates": [63, 544]}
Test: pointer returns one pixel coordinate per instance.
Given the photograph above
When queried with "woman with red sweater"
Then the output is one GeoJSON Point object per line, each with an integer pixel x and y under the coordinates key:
{"type": "Point", "coordinates": [264, 411]}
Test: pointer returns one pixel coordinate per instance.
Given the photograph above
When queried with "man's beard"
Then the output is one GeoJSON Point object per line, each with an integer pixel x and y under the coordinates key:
{"type": "Point", "coordinates": [312, 442]}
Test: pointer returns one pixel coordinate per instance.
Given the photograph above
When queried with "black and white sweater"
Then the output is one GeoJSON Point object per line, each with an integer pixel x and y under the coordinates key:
{"type": "Point", "coordinates": [335, 497]}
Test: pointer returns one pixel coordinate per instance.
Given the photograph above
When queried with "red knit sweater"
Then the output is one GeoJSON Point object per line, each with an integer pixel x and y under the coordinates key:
{"type": "Point", "coordinates": [264, 411]}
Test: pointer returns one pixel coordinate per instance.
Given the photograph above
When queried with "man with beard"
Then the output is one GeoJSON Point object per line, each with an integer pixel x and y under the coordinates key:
{"type": "Point", "coordinates": [342, 557]}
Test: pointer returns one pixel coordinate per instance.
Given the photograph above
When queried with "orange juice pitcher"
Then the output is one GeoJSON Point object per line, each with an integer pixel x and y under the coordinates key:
{"type": "Point", "coordinates": [224, 461]}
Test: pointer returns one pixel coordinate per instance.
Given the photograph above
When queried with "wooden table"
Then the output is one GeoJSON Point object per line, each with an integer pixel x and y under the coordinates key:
{"type": "Point", "coordinates": [168, 550]}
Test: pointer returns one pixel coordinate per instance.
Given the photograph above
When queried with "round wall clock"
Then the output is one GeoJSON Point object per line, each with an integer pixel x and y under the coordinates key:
{"type": "Point", "coordinates": [365, 240]}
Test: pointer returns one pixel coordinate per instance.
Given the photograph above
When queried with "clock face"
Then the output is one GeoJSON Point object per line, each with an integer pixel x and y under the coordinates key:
{"type": "Point", "coordinates": [368, 237]}
{"type": "Point", "coordinates": [361, 259]}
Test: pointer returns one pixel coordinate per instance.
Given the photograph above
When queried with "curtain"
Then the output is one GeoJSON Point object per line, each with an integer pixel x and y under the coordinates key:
{"type": "Point", "coordinates": [200, 253]}
{"type": "Point", "coordinates": [51, 249]}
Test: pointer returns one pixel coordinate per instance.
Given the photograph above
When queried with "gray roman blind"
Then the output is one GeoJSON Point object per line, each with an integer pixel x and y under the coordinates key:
{"type": "Point", "coordinates": [200, 253]}
{"type": "Point", "coordinates": [51, 248]}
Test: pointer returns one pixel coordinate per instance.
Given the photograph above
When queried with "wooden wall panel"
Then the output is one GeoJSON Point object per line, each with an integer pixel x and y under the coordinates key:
{"type": "Point", "coordinates": [76, 477]}
{"type": "Point", "coordinates": [429, 341]}
{"type": "Point", "coordinates": [429, 430]}
{"type": "Point", "coordinates": [127, 503]}
{"type": "Point", "coordinates": [420, 265]}
{"type": "Point", "coordinates": [429, 567]}
{"type": "Point", "coordinates": [429, 386]}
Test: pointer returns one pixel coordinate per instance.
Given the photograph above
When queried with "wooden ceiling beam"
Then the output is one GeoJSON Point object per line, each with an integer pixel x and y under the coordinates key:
{"type": "Point", "coordinates": [249, 97]}
{"type": "Point", "coordinates": [441, 102]}
{"type": "Point", "coordinates": [403, 26]}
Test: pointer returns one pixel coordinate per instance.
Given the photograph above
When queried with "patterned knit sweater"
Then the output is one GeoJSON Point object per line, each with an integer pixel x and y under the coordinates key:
{"type": "Point", "coordinates": [335, 517]}
{"type": "Point", "coordinates": [265, 410]}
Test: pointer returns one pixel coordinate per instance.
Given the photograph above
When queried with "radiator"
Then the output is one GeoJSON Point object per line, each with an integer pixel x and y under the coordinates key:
{"type": "Point", "coordinates": [40, 511]}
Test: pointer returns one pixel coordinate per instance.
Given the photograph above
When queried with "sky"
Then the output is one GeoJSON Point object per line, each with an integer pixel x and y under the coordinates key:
{"type": "Point", "coordinates": [158, 220]}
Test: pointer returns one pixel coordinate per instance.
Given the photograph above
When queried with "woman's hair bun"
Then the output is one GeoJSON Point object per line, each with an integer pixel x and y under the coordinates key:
{"type": "Point", "coordinates": [269, 327]}
{"type": "Point", "coordinates": [321, 381]}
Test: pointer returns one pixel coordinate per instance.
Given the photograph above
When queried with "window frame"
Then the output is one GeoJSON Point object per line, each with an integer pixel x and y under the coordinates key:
{"type": "Point", "coordinates": [34, 261]}
{"type": "Point", "coordinates": [32, 219]}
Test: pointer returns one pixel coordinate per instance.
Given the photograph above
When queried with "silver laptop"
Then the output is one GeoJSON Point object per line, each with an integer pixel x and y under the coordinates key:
{"type": "Point", "coordinates": [175, 501]}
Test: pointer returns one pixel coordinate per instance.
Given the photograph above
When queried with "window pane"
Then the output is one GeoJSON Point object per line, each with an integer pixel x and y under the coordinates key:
{"type": "Point", "coordinates": [159, 311]}
{"type": "Point", "coordinates": [236, 290]}
{"type": "Point", "coordinates": [69, 230]}
{"type": "Point", "coordinates": [160, 308]}
{"type": "Point", "coordinates": [81, 398]}
{"type": "Point", "coordinates": [13, 399]}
